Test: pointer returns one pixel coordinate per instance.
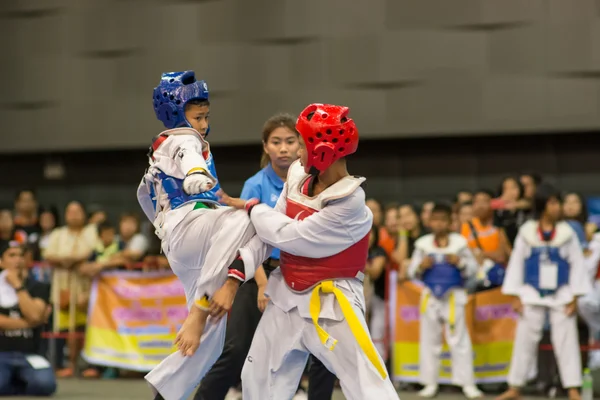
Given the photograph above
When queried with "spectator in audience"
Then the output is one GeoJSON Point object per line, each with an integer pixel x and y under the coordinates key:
{"type": "Point", "coordinates": [105, 255]}
{"type": "Point", "coordinates": [511, 207]}
{"type": "Point", "coordinates": [376, 271]}
{"type": "Point", "coordinates": [68, 247]}
{"type": "Point", "coordinates": [463, 196]}
{"type": "Point", "coordinates": [135, 243]}
{"type": "Point", "coordinates": [7, 228]}
{"type": "Point", "coordinates": [487, 241]}
{"type": "Point", "coordinates": [465, 213]}
{"type": "Point", "coordinates": [530, 182]}
{"type": "Point", "coordinates": [589, 305]}
{"type": "Point", "coordinates": [443, 261]}
{"type": "Point", "coordinates": [426, 214]}
{"type": "Point", "coordinates": [26, 215]}
{"type": "Point", "coordinates": [377, 210]}
{"type": "Point", "coordinates": [97, 216]}
{"type": "Point", "coordinates": [23, 308]}
{"type": "Point", "coordinates": [575, 214]}
{"type": "Point", "coordinates": [546, 274]}
{"type": "Point", "coordinates": [410, 230]}
{"type": "Point", "coordinates": [388, 233]}
{"type": "Point", "coordinates": [48, 221]}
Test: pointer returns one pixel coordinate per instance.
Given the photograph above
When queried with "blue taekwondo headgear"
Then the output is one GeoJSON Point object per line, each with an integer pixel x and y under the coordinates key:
{"type": "Point", "coordinates": [172, 94]}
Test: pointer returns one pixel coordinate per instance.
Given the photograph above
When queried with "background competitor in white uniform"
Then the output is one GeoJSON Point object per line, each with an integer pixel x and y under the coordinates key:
{"type": "Point", "coordinates": [199, 238]}
{"type": "Point", "coordinates": [321, 225]}
{"type": "Point", "coordinates": [546, 273]}
{"type": "Point", "coordinates": [589, 305]}
{"type": "Point", "coordinates": [444, 263]}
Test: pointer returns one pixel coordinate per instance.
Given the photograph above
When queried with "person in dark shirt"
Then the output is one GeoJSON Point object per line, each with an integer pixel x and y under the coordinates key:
{"type": "Point", "coordinates": [376, 270]}
{"type": "Point", "coordinates": [23, 309]}
{"type": "Point", "coordinates": [26, 216]}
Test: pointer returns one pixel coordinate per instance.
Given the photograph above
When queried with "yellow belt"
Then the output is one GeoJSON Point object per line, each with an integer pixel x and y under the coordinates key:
{"type": "Point", "coordinates": [451, 305]}
{"type": "Point", "coordinates": [362, 337]}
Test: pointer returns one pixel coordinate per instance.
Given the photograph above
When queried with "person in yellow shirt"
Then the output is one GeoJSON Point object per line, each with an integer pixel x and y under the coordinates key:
{"type": "Point", "coordinates": [68, 248]}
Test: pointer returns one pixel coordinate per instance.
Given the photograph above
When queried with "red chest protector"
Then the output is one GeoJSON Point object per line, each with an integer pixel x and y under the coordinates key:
{"type": "Point", "coordinates": [302, 273]}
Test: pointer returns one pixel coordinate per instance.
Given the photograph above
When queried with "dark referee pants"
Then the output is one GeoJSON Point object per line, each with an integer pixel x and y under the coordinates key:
{"type": "Point", "coordinates": [242, 323]}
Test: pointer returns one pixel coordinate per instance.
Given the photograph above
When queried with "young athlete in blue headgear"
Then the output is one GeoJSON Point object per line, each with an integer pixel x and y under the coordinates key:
{"type": "Point", "coordinates": [199, 237]}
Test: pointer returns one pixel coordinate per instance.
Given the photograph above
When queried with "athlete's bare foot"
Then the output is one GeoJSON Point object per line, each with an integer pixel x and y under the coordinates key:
{"type": "Point", "coordinates": [511, 394]}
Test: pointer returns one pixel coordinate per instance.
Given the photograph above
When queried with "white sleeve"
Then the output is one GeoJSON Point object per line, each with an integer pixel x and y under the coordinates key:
{"type": "Point", "coordinates": [579, 279]}
{"type": "Point", "coordinates": [469, 262]}
{"type": "Point", "coordinates": [592, 260]}
{"type": "Point", "coordinates": [513, 280]}
{"type": "Point", "coordinates": [415, 261]}
{"type": "Point", "coordinates": [256, 251]}
{"type": "Point", "coordinates": [187, 155]}
{"type": "Point", "coordinates": [336, 227]}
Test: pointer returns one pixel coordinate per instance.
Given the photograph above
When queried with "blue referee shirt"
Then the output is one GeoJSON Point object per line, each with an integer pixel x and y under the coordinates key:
{"type": "Point", "coordinates": [265, 185]}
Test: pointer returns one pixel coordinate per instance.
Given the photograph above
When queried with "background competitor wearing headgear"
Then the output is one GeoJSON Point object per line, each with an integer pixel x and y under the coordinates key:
{"type": "Point", "coordinates": [199, 238]}
{"type": "Point", "coordinates": [321, 225]}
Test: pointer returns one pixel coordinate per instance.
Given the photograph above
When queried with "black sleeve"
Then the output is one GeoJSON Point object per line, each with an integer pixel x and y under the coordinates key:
{"type": "Point", "coordinates": [39, 290]}
{"type": "Point", "coordinates": [377, 252]}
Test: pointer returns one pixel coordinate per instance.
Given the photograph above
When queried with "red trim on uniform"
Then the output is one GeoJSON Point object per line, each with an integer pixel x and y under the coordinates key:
{"type": "Point", "coordinates": [234, 273]}
{"type": "Point", "coordinates": [543, 235]}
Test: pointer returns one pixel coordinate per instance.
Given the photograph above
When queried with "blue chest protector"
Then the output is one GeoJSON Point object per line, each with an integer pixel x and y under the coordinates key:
{"type": "Point", "coordinates": [442, 277]}
{"type": "Point", "coordinates": [173, 187]}
{"type": "Point", "coordinates": [534, 263]}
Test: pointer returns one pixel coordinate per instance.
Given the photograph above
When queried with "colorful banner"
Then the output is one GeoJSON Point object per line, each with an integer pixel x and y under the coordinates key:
{"type": "Point", "coordinates": [491, 323]}
{"type": "Point", "coordinates": [133, 319]}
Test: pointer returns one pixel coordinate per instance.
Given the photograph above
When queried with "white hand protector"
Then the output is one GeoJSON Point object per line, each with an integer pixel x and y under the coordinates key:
{"type": "Point", "coordinates": [197, 183]}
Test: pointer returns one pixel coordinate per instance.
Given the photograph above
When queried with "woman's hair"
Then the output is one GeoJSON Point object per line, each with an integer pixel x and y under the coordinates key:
{"type": "Point", "coordinates": [583, 214]}
{"type": "Point", "coordinates": [543, 194]}
{"type": "Point", "coordinates": [276, 121]}
{"type": "Point", "coordinates": [375, 233]}
{"type": "Point", "coordinates": [516, 180]}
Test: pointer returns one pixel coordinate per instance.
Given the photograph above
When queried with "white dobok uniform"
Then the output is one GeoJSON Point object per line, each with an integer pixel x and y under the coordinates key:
{"type": "Point", "coordinates": [199, 238]}
{"type": "Point", "coordinates": [589, 305]}
{"type": "Point", "coordinates": [443, 301]}
{"type": "Point", "coordinates": [546, 273]}
{"type": "Point", "coordinates": [317, 302]}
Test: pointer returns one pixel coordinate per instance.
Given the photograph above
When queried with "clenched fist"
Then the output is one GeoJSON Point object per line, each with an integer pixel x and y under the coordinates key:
{"type": "Point", "coordinates": [197, 183]}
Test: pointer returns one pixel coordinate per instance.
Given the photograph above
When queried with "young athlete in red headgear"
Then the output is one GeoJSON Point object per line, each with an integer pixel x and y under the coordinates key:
{"type": "Point", "coordinates": [321, 225]}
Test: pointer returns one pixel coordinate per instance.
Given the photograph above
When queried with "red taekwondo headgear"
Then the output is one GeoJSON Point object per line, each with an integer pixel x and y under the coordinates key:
{"type": "Point", "coordinates": [328, 134]}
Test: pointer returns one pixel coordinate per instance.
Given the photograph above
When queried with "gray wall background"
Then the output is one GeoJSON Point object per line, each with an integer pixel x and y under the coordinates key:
{"type": "Point", "coordinates": [77, 74]}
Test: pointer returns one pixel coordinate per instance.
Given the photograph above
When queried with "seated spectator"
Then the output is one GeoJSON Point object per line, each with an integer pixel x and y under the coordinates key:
{"type": "Point", "coordinates": [106, 255]}
{"type": "Point", "coordinates": [135, 243]}
{"type": "Point", "coordinates": [487, 241]}
{"type": "Point", "coordinates": [23, 308]}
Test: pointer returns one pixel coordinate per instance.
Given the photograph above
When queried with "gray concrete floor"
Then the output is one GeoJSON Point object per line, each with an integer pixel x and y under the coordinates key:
{"type": "Point", "coordinates": [125, 389]}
